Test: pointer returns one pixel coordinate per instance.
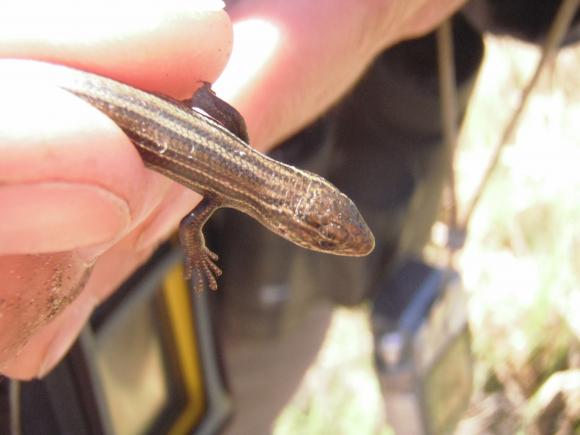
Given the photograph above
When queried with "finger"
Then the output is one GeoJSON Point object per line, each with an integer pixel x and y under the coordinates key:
{"type": "Point", "coordinates": [93, 182]}
{"type": "Point", "coordinates": [35, 330]}
{"type": "Point", "coordinates": [33, 341]}
{"type": "Point", "coordinates": [63, 169]}
{"type": "Point", "coordinates": [162, 46]}
{"type": "Point", "coordinates": [292, 60]}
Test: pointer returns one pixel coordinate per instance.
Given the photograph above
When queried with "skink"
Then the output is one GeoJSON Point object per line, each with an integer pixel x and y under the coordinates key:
{"type": "Point", "coordinates": [200, 151]}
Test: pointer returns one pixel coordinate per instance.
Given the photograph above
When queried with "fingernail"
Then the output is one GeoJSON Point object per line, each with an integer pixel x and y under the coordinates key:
{"type": "Point", "coordinates": [49, 217]}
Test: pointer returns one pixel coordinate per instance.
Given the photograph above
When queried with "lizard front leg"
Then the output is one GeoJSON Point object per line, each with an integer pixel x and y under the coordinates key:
{"type": "Point", "coordinates": [199, 260]}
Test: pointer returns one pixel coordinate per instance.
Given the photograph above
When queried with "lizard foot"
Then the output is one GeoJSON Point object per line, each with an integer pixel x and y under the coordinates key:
{"type": "Point", "coordinates": [202, 268]}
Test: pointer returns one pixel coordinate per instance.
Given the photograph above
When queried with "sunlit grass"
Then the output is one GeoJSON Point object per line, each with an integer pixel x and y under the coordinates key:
{"type": "Point", "coordinates": [521, 263]}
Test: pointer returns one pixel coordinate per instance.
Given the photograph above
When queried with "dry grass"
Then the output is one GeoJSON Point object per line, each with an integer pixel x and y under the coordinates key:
{"type": "Point", "coordinates": [521, 266]}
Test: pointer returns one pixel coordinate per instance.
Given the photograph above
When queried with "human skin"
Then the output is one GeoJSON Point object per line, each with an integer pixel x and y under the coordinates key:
{"type": "Point", "coordinates": [72, 183]}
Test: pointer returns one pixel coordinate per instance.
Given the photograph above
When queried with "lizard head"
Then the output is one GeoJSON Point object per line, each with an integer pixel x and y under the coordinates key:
{"type": "Point", "coordinates": [326, 220]}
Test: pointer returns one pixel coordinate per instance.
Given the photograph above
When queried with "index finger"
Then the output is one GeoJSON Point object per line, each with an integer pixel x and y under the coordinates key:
{"type": "Point", "coordinates": [162, 46]}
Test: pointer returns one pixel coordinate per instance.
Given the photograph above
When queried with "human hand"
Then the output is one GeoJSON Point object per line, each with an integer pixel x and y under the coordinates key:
{"type": "Point", "coordinates": [73, 183]}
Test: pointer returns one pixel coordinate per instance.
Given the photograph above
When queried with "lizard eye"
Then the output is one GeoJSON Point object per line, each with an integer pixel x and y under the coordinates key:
{"type": "Point", "coordinates": [317, 220]}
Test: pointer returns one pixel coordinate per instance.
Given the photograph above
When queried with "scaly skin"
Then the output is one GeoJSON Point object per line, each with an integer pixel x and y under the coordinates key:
{"type": "Point", "coordinates": [203, 155]}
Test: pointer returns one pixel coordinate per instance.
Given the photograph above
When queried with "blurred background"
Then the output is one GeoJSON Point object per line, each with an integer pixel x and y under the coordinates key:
{"type": "Point", "coordinates": [520, 266]}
